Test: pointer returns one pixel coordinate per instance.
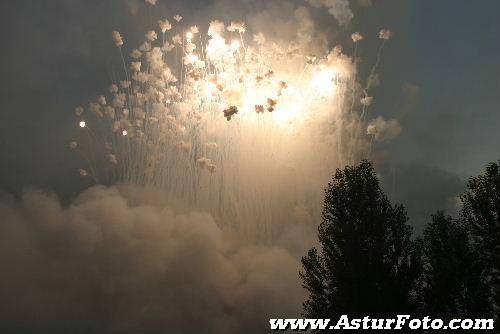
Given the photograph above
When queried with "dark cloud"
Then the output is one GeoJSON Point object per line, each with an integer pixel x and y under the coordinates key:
{"type": "Point", "coordinates": [422, 189]}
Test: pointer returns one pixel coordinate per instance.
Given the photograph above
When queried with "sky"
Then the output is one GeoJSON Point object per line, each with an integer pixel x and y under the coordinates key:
{"type": "Point", "coordinates": [440, 78]}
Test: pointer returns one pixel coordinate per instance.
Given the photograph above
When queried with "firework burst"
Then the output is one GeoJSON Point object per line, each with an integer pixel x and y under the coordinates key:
{"type": "Point", "coordinates": [245, 131]}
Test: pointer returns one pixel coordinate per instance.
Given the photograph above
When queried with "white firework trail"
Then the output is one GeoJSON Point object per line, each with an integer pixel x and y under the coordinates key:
{"type": "Point", "coordinates": [247, 131]}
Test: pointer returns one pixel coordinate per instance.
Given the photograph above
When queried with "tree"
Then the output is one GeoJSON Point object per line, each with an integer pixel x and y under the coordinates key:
{"type": "Point", "coordinates": [367, 264]}
{"type": "Point", "coordinates": [453, 279]}
{"type": "Point", "coordinates": [481, 213]}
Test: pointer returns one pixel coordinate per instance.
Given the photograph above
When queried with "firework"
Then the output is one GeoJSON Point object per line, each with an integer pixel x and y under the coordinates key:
{"type": "Point", "coordinates": [247, 132]}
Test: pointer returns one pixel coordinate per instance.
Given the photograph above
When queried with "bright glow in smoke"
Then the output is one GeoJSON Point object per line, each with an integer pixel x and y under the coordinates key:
{"type": "Point", "coordinates": [235, 45]}
{"type": "Point", "coordinates": [323, 81]}
{"type": "Point", "coordinates": [246, 132]}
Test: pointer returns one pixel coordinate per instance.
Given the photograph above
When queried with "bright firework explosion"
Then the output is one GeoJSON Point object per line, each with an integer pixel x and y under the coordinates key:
{"type": "Point", "coordinates": [249, 132]}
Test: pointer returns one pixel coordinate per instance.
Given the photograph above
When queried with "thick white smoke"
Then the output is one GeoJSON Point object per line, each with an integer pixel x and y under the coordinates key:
{"type": "Point", "coordinates": [116, 259]}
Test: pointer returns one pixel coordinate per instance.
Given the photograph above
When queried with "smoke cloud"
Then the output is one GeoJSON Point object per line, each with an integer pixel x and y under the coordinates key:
{"type": "Point", "coordinates": [118, 259]}
{"type": "Point", "coordinates": [340, 9]}
{"type": "Point", "coordinates": [365, 3]}
{"type": "Point", "coordinates": [382, 129]}
{"type": "Point", "coordinates": [422, 189]}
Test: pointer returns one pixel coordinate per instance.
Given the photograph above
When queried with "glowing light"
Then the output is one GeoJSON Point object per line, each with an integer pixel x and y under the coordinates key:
{"type": "Point", "coordinates": [210, 90]}
{"type": "Point", "coordinates": [82, 124]}
{"type": "Point", "coordinates": [216, 48]}
{"type": "Point", "coordinates": [323, 81]}
{"type": "Point", "coordinates": [190, 59]}
{"type": "Point", "coordinates": [247, 117]}
{"type": "Point", "coordinates": [235, 45]}
{"type": "Point", "coordinates": [287, 114]}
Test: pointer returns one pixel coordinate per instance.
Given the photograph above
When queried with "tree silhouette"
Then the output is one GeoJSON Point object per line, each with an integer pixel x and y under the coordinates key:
{"type": "Point", "coordinates": [367, 264]}
{"type": "Point", "coordinates": [481, 213]}
{"type": "Point", "coordinates": [453, 279]}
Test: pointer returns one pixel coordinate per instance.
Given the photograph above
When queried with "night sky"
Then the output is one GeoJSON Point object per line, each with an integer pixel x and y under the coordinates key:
{"type": "Point", "coordinates": [440, 78]}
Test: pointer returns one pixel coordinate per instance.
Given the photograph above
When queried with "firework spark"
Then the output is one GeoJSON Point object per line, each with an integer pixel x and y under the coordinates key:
{"type": "Point", "coordinates": [245, 131]}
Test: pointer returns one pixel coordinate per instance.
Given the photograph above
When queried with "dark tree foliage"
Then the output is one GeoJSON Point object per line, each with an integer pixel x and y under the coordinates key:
{"type": "Point", "coordinates": [481, 213]}
{"type": "Point", "coordinates": [367, 264]}
{"type": "Point", "coordinates": [453, 279]}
